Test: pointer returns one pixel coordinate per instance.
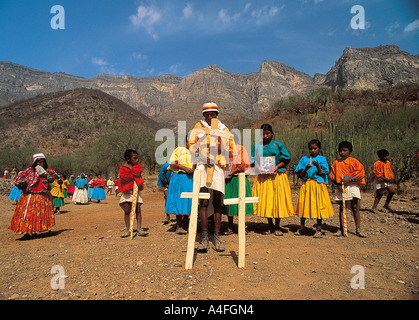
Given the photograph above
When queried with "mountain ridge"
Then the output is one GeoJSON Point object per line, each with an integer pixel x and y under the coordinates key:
{"type": "Point", "coordinates": [167, 97]}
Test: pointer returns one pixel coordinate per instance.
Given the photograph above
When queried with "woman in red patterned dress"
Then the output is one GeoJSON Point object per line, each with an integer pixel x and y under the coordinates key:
{"type": "Point", "coordinates": [34, 212]}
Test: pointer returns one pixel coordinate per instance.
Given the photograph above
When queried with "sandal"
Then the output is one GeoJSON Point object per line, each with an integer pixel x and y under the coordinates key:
{"type": "Point", "coordinates": [340, 234]}
{"type": "Point", "coordinates": [386, 206]}
{"type": "Point", "coordinates": [267, 232]}
{"type": "Point", "coordinates": [141, 232]}
{"type": "Point", "coordinates": [180, 230]}
{"type": "Point", "coordinates": [279, 233]}
{"type": "Point", "coordinates": [318, 234]}
{"type": "Point", "coordinates": [218, 245]}
{"type": "Point", "coordinates": [228, 232]}
{"type": "Point", "coordinates": [125, 234]}
{"type": "Point", "coordinates": [204, 244]}
{"type": "Point", "coordinates": [360, 234]}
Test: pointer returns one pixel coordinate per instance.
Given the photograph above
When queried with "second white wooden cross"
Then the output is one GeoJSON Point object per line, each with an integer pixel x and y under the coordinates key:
{"type": "Point", "coordinates": [242, 201]}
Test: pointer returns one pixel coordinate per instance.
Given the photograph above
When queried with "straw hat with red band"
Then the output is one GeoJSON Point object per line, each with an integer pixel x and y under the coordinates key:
{"type": "Point", "coordinates": [208, 107]}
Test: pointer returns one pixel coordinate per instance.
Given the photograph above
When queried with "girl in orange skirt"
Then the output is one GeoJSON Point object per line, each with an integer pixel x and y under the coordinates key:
{"type": "Point", "coordinates": [273, 190]}
{"type": "Point", "coordinates": [313, 199]}
{"type": "Point", "coordinates": [34, 211]}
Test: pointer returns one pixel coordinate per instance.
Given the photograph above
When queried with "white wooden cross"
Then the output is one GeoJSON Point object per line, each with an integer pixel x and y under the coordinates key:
{"type": "Point", "coordinates": [241, 201]}
{"type": "Point", "coordinates": [193, 219]}
{"type": "Point", "coordinates": [214, 133]}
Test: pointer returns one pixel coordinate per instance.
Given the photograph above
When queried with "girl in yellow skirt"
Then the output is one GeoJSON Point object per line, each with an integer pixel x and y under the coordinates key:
{"type": "Point", "coordinates": [57, 192]}
{"type": "Point", "coordinates": [273, 190]}
{"type": "Point", "coordinates": [313, 200]}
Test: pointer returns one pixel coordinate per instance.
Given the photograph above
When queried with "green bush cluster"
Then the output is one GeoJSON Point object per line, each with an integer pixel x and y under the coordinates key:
{"type": "Point", "coordinates": [103, 156]}
{"type": "Point", "coordinates": [370, 120]}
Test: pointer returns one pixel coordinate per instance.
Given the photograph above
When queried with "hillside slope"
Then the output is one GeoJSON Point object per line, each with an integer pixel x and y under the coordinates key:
{"type": "Point", "coordinates": [67, 119]}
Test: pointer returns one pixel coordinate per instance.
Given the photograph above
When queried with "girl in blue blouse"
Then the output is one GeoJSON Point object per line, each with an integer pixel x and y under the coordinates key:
{"type": "Point", "coordinates": [313, 199]}
{"type": "Point", "coordinates": [273, 190]}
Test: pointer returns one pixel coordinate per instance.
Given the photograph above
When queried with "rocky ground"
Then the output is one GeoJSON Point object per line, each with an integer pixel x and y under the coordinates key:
{"type": "Point", "coordinates": [97, 264]}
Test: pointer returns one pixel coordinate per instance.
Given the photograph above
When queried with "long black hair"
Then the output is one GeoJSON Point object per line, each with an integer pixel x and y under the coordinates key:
{"type": "Point", "coordinates": [345, 144]}
{"type": "Point", "coordinates": [316, 142]}
{"type": "Point", "coordinates": [128, 154]}
{"type": "Point", "coordinates": [35, 163]}
{"type": "Point", "coordinates": [267, 127]}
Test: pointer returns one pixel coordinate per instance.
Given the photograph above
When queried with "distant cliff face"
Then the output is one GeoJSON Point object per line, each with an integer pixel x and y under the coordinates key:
{"type": "Point", "coordinates": [247, 93]}
{"type": "Point", "coordinates": [147, 95]}
{"type": "Point", "coordinates": [167, 98]}
{"type": "Point", "coordinates": [276, 80]}
{"type": "Point", "coordinates": [371, 68]}
{"type": "Point", "coordinates": [161, 97]}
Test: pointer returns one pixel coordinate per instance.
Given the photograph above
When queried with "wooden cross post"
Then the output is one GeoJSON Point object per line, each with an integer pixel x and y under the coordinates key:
{"type": "Point", "coordinates": [193, 219]}
{"type": "Point", "coordinates": [242, 201]}
{"type": "Point", "coordinates": [213, 143]}
{"type": "Point", "coordinates": [133, 209]}
{"type": "Point", "coordinates": [345, 226]}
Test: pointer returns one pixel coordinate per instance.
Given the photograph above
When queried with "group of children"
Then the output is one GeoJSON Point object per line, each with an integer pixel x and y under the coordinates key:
{"type": "Point", "coordinates": [273, 190]}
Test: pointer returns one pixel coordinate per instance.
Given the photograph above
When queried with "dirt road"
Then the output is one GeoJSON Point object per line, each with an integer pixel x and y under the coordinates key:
{"type": "Point", "coordinates": [97, 264]}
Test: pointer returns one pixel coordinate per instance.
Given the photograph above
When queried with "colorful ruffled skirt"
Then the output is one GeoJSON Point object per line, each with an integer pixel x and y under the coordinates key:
{"type": "Point", "coordinates": [57, 201]}
{"type": "Point", "coordinates": [98, 194]}
{"type": "Point", "coordinates": [232, 191]}
{"type": "Point", "coordinates": [180, 182]}
{"type": "Point", "coordinates": [34, 213]}
{"type": "Point", "coordinates": [89, 192]}
{"type": "Point", "coordinates": [80, 196]}
{"type": "Point", "coordinates": [70, 189]}
{"type": "Point", "coordinates": [274, 194]}
{"type": "Point", "coordinates": [314, 201]}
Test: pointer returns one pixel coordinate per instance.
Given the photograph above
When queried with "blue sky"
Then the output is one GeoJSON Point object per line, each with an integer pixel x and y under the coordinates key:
{"type": "Point", "coordinates": [150, 38]}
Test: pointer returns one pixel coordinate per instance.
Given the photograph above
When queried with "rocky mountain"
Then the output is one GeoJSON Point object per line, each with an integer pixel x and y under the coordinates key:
{"type": "Point", "coordinates": [164, 96]}
{"type": "Point", "coordinates": [169, 98]}
{"type": "Point", "coordinates": [372, 68]}
{"type": "Point", "coordinates": [19, 82]}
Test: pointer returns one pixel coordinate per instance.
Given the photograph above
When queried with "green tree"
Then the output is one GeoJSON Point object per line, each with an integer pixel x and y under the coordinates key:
{"type": "Point", "coordinates": [18, 158]}
{"type": "Point", "coordinates": [107, 151]}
